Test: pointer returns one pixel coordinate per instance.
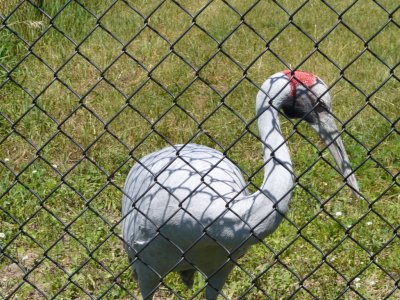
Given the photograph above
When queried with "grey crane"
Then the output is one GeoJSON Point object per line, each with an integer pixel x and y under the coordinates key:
{"type": "Point", "coordinates": [186, 207]}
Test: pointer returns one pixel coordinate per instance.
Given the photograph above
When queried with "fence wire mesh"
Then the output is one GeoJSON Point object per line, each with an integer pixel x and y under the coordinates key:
{"type": "Point", "coordinates": [87, 88]}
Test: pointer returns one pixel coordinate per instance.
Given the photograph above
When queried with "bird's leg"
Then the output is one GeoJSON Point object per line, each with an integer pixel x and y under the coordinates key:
{"type": "Point", "coordinates": [148, 279]}
{"type": "Point", "coordinates": [187, 277]}
{"type": "Point", "coordinates": [217, 280]}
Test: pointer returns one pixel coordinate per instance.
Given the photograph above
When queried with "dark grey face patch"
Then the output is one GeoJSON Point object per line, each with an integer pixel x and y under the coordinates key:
{"type": "Point", "coordinates": [304, 106]}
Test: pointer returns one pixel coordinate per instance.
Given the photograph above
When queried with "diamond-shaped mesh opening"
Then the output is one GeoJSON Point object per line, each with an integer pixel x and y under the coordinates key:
{"type": "Point", "coordinates": [126, 74]}
{"type": "Point", "coordinates": [266, 62]}
{"type": "Point", "coordinates": [44, 228]}
{"type": "Point", "coordinates": [27, 21]}
{"type": "Point", "coordinates": [40, 178]}
{"type": "Point", "coordinates": [170, 20]}
{"type": "Point", "coordinates": [10, 276]}
{"type": "Point", "coordinates": [173, 74]}
{"type": "Point", "coordinates": [89, 221]}
{"type": "Point", "coordinates": [386, 36]}
{"type": "Point", "coordinates": [79, 74]}
{"type": "Point", "coordinates": [12, 206]}
{"type": "Point", "coordinates": [218, 20]}
{"type": "Point", "coordinates": [44, 273]}
{"type": "Point", "coordinates": [199, 100]}
{"type": "Point", "coordinates": [265, 286]}
{"type": "Point", "coordinates": [372, 241]}
{"type": "Point", "coordinates": [187, 127]}
{"type": "Point", "coordinates": [129, 135]}
{"type": "Point", "coordinates": [105, 101]}
{"type": "Point", "coordinates": [382, 126]}
{"type": "Point", "coordinates": [105, 205]}
{"type": "Point", "coordinates": [309, 21]}
{"type": "Point", "coordinates": [61, 48]}
{"type": "Point", "coordinates": [293, 45]}
{"type": "Point", "coordinates": [320, 64]}
{"type": "Point", "coordinates": [221, 73]}
{"type": "Point", "coordinates": [325, 282]}
{"type": "Point", "coordinates": [341, 45]}
{"type": "Point", "coordinates": [250, 161]}
{"type": "Point", "coordinates": [358, 258]}
{"type": "Point", "coordinates": [244, 45]}
{"type": "Point", "coordinates": [279, 241]}
{"type": "Point", "coordinates": [379, 176]}
{"type": "Point", "coordinates": [37, 75]}
{"type": "Point", "coordinates": [266, 27]}
{"type": "Point", "coordinates": [345, 209]}
{"type": "Point", "coordinates": [305, 208]}
{"type": "Point", "coordinates": [373, 75]}
{"type": "Point", "coordinates": [93, 278]}
{"type": "Point", "coordinates": [89, 89]}
{"type": "Point", "coordinates": [228, 131]}
{"type": "Point", "coordinates": [14, 101]}
{"type": "Point", "coordinates": [327, 224]}
{"type": "Point", "coordinates": [79, 180]}
{"type": "Point", "coordinates": [62, 160]}
{"type": "Point", "coordinates": [65, 21]}
{"type": "Point", "coordinates": [148, 47]}
{"type": "Point", "coordinates": [151, 101]}
{"type": "Point", "coordinates": [58, 101]}
{"type": "Point", "coordinates": [301, 266]}
{"type": "Point", "coordinates": [68, 253]}
{"type": "Point", "coordinates": [111, 257]}
{"type": "Point", "coordinates": [103, 53]}
{"type": "Point", "coordinates": [379, 102]}
{"type": "Point", "coordinates": [365, 29]}
{"type": "Point", "coordinates": [18, 152]}
{"type": "Point", "coordinates": [66, 209]}
{"type": "Point", "coordinates": [196, 47]}
{"type": "Point", "coordinates": [388, 258]}
{"type": "Point", "coordinates": [100, 152]}
{"type": "Point", "coordinates": [371, 279]}
{"type": "Point", "coordinates": [385, 201]}
{"type": "Point", "coordinates": [36, 126]}
{"type": "Point", "coordinates": [332, 182]}
{"type": "Point", "coordinates": [239, 100]}
{"type": "Point", "coordinates": [122, 21]}
{"type": "Point", "coordinates": [12, 51]}
{"type": "Point", "coordinates": [83, 127]}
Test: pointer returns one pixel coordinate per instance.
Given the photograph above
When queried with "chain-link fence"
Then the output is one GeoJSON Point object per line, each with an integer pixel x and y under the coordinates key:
{"type": "Point", "coordinates": [88, 88]}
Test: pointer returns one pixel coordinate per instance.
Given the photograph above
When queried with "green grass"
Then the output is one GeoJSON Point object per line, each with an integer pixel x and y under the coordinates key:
{"type": "Point", "coordinates": [66, 141]}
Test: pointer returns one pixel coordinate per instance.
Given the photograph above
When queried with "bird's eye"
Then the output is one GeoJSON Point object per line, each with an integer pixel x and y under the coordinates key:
{"type": "Point", "coordinates": [323, 105]}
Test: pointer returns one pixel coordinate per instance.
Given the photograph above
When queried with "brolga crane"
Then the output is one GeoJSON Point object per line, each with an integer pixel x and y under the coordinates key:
{"type": "Point", "coordinates": [186, 207]}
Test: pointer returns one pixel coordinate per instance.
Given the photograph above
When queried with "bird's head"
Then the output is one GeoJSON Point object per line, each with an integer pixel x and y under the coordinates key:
{"type": "Point", "coordinates": [302, 95]}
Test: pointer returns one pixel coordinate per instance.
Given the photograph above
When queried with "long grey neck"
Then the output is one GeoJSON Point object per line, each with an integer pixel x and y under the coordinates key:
{"type": "Point", "coordinates": [278, 176]}
{"type": "Point", "coordinates": [264, 209]}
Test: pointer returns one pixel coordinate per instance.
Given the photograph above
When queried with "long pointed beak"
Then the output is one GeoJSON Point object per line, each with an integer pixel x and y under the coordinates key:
{"type": "Point", "coordinates": [327, 130]}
